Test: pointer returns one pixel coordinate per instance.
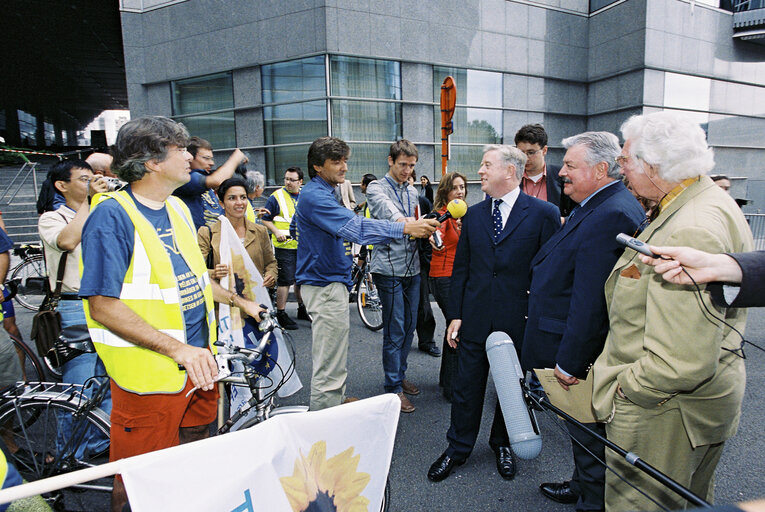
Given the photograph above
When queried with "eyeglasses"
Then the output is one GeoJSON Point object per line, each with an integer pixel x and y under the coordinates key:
{"type": "Point", "coordinates": [84, 178]}
{"type": "Point", "coordinates": [532, 152]}
{"type": "Point", "coordinates": [291, 180]}
{"type": "Point", "coordinates": [208, 158]}
{"type": "Point", "coordinates": [621, 160]}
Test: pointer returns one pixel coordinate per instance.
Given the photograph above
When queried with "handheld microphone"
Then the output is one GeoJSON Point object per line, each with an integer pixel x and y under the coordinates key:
{"type": "Point", "coordinates": [455, 209]}
{"type": "Point", "coordinates": [520, 421]}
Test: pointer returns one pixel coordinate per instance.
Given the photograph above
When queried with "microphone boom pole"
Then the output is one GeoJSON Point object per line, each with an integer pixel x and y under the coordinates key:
{"type": "Point", "coordinates": [630, 457]}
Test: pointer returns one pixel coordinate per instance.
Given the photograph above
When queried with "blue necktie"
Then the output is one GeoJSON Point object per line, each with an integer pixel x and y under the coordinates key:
{"type": "Point", "coordinates": [497, 218]}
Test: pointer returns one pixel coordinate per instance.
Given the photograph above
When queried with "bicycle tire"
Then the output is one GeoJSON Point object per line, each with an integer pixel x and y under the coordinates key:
{"type": "Point", "coordinates": [32, 276]}
{"type": "Point", "coordinates": [31, 366]}
{"type": "Point", "coordinates": [33, 421]}
{"type": "Point", "coordinates": [368, 302]}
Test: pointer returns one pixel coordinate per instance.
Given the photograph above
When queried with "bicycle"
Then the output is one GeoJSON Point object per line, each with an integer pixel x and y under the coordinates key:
{"type": "Point", "coordinates": [31, 367]}
{"type": "Point", "coordinates": [367, 297]}
{"type": "Point", "coordinates": [30, 417]}
{"type": "Point", "coordinates": [31, 276]}
{"type": "Point", "coordinates": [261, 405]}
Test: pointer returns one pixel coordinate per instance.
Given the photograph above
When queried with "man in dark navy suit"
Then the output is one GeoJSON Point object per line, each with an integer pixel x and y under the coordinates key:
{"type": "Point", "coordinates": [541, 179]}
{"type": "Point", "coordinates": [489, 292]}
{"type": "Point", "coordinates": [568, 322]}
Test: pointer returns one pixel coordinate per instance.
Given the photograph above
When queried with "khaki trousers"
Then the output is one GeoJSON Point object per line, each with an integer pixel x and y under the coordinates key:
{"type": "Point", "coordinates": [328, 306]}
{"type": "Point", "coordinates": [658, 437]}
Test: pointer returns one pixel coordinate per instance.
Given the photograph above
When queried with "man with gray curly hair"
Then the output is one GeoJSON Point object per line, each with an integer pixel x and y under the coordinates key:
{"type": "Point", "coordinates": [670, 380]}
{"type": "Point", "coordinates": [148, 299]}
{"type": "Point", "coordinates": [567, 320]}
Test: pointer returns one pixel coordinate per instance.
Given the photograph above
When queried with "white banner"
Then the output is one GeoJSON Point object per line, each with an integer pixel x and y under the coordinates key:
{"type": "Point", "coordinates": [338, 456]}
{"type": "Point", "coordinates": [245, 279]}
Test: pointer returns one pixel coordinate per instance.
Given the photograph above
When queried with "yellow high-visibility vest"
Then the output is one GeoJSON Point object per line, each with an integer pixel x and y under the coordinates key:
{"type": "Point", "coordinates": [282, 221]}
{"type": "Point", "coordinates": [368, 215]}
{"type": "Point", "coordinates": [151, 290]}
{"type": "Point", "coordinates": [249, 213]}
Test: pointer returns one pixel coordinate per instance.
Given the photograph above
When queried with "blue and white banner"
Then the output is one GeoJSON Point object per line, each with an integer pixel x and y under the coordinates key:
{"type": "Point", "coordinates": [245, 279]}
{"type": "Point", "coordinates": [334, 459]}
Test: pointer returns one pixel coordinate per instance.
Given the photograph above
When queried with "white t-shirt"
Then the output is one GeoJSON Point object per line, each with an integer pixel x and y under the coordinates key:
{"type": "Point", "coordinates": [50, 226]}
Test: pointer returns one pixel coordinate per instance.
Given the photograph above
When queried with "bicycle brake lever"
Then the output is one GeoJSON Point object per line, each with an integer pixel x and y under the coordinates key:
{"type": "Point", "coordinates": [218, 377]}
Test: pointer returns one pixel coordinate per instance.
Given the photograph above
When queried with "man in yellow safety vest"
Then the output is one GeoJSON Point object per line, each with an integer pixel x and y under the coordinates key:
{"type": "Point", "coordinates": [281, 208]}
{"type": "Point", "coordinates": [148, 299]}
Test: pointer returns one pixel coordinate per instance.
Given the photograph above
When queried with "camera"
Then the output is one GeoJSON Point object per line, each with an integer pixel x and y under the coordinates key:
{"type": "Point", "coordinates": [114, 184]}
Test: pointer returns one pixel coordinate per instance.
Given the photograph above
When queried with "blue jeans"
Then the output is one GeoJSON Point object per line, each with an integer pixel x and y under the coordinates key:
{"type": "Point", "coordinates": [399, 297]}
{"type": "Point", "coordinates": [77, 371]}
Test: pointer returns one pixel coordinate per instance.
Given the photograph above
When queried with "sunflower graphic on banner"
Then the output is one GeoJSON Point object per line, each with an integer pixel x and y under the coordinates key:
{"type": "Point", "coordinates": [333, 460]}
{"type": "Point", "coordinates": [244, 279]}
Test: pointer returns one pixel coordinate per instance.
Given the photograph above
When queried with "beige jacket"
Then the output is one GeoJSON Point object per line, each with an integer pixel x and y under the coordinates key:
{"type": "Point", "coordinates": [662, 347]}
{"type": "Point", "coordinates": [257, 243]}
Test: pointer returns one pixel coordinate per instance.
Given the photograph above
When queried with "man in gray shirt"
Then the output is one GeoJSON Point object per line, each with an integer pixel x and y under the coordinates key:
{"type": "Point", "coordinates": [396, 268]}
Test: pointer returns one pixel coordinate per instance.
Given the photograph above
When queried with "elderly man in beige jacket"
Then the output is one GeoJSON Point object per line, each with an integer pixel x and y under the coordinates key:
{"type": "Point", "coordinates": [670, 380]}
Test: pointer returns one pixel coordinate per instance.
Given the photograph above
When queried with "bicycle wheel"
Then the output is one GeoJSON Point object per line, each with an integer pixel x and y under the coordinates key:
{"type": "Point", "coordinates": [31, 367]}
{"type": "Point", "coordinates": [30, 426]}
{"type": "Point", "coordinates": [31, 275]}
{"type": "Point", "coordinates": [368, 303]}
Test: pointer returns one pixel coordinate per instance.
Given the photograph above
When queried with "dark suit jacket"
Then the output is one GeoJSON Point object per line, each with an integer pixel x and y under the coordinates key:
{"type": "Point", "coordinates": [752, 291]}
{"type": "Point", "coordinates": [568, 321]}
{"type": "Point", "coordinates": [555, 193]}
{"type": "Point", "coordinates": [490, 281]}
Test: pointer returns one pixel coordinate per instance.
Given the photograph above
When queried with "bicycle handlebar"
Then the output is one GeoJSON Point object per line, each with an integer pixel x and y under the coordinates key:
{"type": "Point", "coordinates": [246, 355]}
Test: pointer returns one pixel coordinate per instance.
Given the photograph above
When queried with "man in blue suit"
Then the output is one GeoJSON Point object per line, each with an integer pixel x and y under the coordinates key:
{"type": "Point", "coordinates": [568, 322]}
{"type": "Point", "coordinates": [489, 292]}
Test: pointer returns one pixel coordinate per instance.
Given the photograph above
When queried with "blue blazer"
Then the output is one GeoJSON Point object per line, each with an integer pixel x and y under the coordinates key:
{"type": "Point", "coordinates": [490, 281]}
{"type": "Point", "coordinates": [568, 321]}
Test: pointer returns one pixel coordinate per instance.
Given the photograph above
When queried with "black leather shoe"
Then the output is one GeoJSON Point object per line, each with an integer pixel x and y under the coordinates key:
{"type": "Point", "coordinates": [431, 350]}
{"type": "Point", "coordinates": [441, 468]}
{"type": "Point", "coordinates": [505, 462]}
{"type": "Point", "coordinates": [560, 492]}
{"type": "Point", "coordinates": [302, 313]}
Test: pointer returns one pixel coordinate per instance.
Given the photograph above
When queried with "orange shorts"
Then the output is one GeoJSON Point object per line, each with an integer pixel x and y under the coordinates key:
{"type": "Point", "coordinates": [145, 423]}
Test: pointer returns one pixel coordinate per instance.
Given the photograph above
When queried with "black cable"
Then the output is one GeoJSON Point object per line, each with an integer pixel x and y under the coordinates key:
{"type": "Point", "coordinates": [637, 462]}
{"type": "Point", "coordinates": [740, 350]}
{"type": "Point", "coordinates": [603, 462]}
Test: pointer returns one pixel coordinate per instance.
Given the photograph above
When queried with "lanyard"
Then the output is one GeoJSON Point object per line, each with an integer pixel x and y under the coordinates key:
{"type": "Point", "coordinates": [406, 210]}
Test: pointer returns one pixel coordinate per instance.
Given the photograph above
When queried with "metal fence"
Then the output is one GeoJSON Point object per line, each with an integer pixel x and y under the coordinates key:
{"type": "Point", "coordinates": [757, 224]}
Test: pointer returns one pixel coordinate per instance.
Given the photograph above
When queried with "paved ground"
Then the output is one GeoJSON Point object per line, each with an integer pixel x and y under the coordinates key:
{"type": "Point", "coordinates": [476, 486]}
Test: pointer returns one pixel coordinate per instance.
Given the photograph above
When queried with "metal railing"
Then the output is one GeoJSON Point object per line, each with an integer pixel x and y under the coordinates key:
{"type": "Point", "coordinates": [29, 168]}
{"type": "Point", "coordinates": [757, 224]}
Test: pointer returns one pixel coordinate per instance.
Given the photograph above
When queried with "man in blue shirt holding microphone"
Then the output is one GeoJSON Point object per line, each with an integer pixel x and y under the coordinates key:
{"type": "Point", "coordinates": [325, 229]}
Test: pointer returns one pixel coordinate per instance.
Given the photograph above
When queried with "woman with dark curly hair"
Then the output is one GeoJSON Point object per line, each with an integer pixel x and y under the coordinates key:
{"type": "Point", "coordinates": [453, 185]}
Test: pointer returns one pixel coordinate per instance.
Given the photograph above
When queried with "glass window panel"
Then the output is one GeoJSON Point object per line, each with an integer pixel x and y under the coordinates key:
{"type": "Point", "coordinates": [27, 128]}
{"type": "Point", "coordinates": [294, 80]}
{"type": "Point", "coordinates": [219, 129]}
{"type": "Point", "coordinates": [463, 159]}
{"type": "Point", "coordinates": [214, 92]}
{"type": "Point", "coordinates": [50, 134]}
{"type": "Point", "coordinates": [474, 88]}
{"type": "Point", "coordinates": [295, 122]}
{"type": "Point", "coordinates": [366, 120]}
{"type": "Point", "coordinates": [365, 78]}
{"type": "Point", "coordinates": [279, 159]}
{"type": "Point", "coordinates": [476, 125]}
{"type": "Point", "coordinates": [367, 158]}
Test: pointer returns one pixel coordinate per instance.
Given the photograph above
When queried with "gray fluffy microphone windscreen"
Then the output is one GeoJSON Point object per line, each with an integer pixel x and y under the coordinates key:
{"type": "Point", "coordinates": [506, 372]}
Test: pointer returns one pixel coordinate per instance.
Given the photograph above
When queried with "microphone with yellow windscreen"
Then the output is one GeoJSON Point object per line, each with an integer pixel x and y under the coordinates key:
{"type": "Point", "coordinates": [455, 209]}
